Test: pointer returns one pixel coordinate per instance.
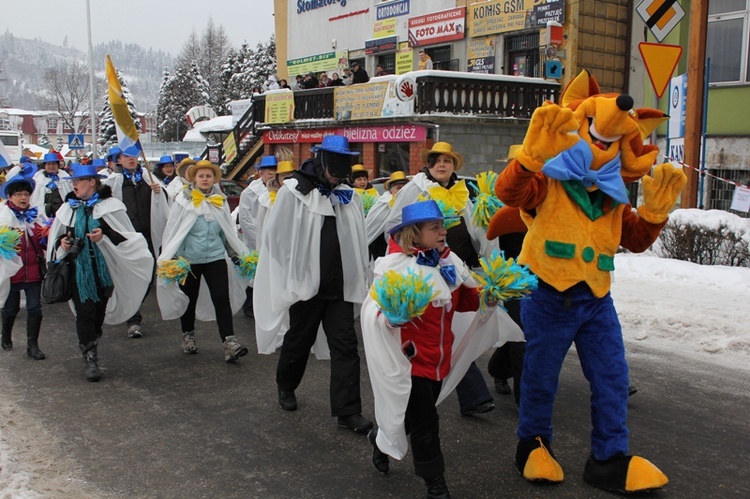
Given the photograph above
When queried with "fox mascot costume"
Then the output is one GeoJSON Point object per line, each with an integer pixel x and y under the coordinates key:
{"type": "Point", "coordinates": [568, 179]}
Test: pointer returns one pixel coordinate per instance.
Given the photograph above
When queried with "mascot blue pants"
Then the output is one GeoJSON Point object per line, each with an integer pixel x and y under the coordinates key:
{"type": "Point", "coordinates": [552, 322]}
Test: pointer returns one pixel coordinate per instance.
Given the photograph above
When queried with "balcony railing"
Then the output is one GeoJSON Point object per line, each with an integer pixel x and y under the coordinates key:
{"type": "Point", "coordinates": [445, 92]}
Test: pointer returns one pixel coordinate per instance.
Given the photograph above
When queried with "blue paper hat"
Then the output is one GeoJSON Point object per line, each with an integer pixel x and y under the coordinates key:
{"type": "Point", "coordinates": [164, 160]}
{"type": "Point", "coordinates": [83, 171]}
{"type": "Point", "coordinates": [25, 159]}
{"type": "Point", "coordinates": [417, 213]}
{"type": "Point", "coordinates": [3, 162]}
{"type": "Point", "coordinates": [268, 162]}
{"type": "Point", "coordinates": [336, 144]}
{"type": "Point", "coordinates": [51, 157]}
{"type": "Point", "coordinates": [131, 152]}
{"type": "Point", "coordinates": [24, 176]}
{"type": "Point", "coordinates": [99, 163]}
{"type": "Point", "coordinates": [113, 153]}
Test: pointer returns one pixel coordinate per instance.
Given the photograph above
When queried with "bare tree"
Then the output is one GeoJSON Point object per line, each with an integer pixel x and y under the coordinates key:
{"type": "Point", "coordinates": [68, 94]}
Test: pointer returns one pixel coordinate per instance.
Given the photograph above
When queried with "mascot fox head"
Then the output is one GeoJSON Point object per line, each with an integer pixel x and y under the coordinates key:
{"type": "Point", "coordinates": [610, 125]}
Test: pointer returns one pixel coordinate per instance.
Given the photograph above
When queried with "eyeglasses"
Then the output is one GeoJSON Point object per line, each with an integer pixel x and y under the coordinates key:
{"type": "Point", "coordinates": [21, 194]}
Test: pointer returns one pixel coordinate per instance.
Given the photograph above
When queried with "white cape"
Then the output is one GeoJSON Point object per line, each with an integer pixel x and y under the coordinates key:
{"type": "Point", "coordinates": [249, 211]}
{"type": "Point", "coordinates": [182, 216]}
{"type": "Point", "coordinates": [40, 189]}
{"type": "Point", "coordinates": [389, 368]}
{"type": "Point", "coordinates": [378, 216]}
{"type": "Point", "coordinates": [289, 256]}
{"type": "Point", "coordinates": [130, 264]}
{"type": "Point", "coordinates": [420, 184]}
{"type": "Point", "coordinates": [159, 204]}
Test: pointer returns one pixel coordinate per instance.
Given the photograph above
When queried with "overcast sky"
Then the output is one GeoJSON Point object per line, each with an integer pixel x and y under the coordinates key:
{"type": "Point", "coordinates": [159, 24]}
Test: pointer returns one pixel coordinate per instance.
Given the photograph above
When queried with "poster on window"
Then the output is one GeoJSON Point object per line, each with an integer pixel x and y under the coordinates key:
{"type": "Point", "coordinates": [741, 199]}
{"type": "Point", "coordinates": [481, 55]}
{"type": "Point", "coordinates": [438, 27]}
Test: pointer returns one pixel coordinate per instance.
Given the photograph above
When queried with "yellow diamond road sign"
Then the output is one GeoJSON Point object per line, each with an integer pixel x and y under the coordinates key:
{"type": "Point", "coordinates": [661, 16]}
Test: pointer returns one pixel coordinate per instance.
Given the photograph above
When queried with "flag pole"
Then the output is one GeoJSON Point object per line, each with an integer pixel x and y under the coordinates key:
{"type": "Point", "coordinates": [92, 113]}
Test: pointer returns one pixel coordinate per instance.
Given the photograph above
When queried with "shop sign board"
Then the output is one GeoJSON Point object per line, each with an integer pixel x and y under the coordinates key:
{"type": "Point", "coordinates": [368, 101]}
{"type": "Point", "coordinates": [392, 9]}
{"type": "Point", "coordinates": [438, 27]}
{"type": "Point", "coordinates": [393, 133]}
{"type": "Point", "coordinates": [552, 10]}
{"type": "Point", "coordinates": [381, 45]}
{"type": "Point", "coordinates": [329, 61]}
{"type": "Point", "coordinates": [500, 16]}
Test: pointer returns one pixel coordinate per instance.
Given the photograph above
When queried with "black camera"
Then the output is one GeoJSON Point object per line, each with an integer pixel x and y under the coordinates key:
{"type": "Point", "coordinates": [76, 244]}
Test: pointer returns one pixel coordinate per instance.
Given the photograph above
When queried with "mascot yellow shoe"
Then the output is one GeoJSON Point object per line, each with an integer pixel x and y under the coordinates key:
{"type": "Point", "coordinates": [625, 474]}
{"type": "Point", "coordinates": [536, 462]}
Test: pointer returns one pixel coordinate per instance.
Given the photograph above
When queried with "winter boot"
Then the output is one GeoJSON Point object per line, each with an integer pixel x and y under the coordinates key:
{"type": "Point", "coordinates": [188, 342]}
{"type": "Point", "coordinates": [233, 350]}
{"type": "Point", "coordinates": [624, 474]}
{"type": "Point", "coordinates": [536, 462]}
{"type": "Point", "coordinates": [7, 342]}
{"type": "Point", "coordinates": [379, 458]}
{"type": "Point", "coordinates": [33, 324]}
{"type": "Point", "coordinates": [437, 488]}
{"type": "Point", "coordinates": [90, 357]}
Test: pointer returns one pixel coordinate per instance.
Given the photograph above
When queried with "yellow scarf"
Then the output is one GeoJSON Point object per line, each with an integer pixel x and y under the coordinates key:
{"type": "Point", "coordinates": [272, 196]}
{"type": "Point", "coordinates": [214, 199]}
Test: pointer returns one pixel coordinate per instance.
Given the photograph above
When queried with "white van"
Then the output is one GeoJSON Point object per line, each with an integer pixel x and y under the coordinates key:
{"type": "Point", "coordinates": [12, 142]}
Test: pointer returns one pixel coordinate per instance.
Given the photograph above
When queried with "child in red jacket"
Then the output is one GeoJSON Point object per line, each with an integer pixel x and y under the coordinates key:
{"type": "Point", "coordinates": [408, 362]}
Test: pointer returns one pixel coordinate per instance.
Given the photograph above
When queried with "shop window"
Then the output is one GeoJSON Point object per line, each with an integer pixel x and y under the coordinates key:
{"type": "Point", "coordinates": [392, 157]}
{"type": "Point", "coordinates": [388, 63]}
{"type": "Point", "coordinates": [728, 23]}
{"type": "Point", "coordinates": [441, 58]}
{"type": "Point", "coordinates": [522, 55]}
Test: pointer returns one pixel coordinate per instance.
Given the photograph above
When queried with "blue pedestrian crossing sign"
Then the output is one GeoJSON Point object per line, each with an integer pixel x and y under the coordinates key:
{"type": "Point", "coordinates": [553, 69]}
{"type": "Point", "coordinates": [75, 141]}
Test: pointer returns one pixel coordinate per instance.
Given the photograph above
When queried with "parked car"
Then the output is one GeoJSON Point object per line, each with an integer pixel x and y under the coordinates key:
{"type": "Point", "coordinates": [233, 189]}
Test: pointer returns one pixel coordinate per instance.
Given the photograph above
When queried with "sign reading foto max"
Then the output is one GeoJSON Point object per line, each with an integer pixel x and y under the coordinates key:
{"type": "Point", "coordinates": [438, 27]}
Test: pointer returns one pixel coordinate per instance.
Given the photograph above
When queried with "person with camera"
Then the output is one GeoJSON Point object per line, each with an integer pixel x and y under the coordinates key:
{"type": "Point", "coordinates": [312, 270]}
{"type": "Point", "coordinates": [200, 230]}
{"type": "Point", "coordinates": [25, 271]}
{"type": "Point", "coordinates": [93, 232]}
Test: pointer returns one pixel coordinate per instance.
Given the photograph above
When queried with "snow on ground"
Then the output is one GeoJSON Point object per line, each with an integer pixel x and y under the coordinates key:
{"type": "Point", "coordinates": [675, 306]}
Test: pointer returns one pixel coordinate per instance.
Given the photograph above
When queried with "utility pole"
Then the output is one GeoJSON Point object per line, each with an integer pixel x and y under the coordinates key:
{"type": "Point", "coordinates": [694, 99]}
{"type": "Point", "coordinates": [92, 113]}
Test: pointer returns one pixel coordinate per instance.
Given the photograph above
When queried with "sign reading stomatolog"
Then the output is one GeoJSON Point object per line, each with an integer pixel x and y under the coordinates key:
{"type": "Point", "coordinates": [395, 133]}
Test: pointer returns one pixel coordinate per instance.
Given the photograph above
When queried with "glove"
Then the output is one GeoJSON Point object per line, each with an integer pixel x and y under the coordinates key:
{"type": "Point", "coordinates": [236, 260]}
{"type": "Point", "coordinates": [548, 135]}
{"type": "Point", "coordinates": [660, 192]}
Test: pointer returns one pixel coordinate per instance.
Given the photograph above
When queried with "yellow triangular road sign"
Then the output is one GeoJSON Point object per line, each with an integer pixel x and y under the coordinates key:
{"type": "Point", "coordinates": [660, 60]}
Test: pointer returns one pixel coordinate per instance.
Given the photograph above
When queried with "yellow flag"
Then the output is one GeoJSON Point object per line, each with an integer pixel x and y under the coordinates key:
{"type": "Point", "coordinates": [127, 133]}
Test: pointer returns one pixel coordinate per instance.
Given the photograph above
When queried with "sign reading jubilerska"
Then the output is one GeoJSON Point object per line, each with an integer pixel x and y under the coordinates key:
{"type": "Point", "coordinates": [438, 27]}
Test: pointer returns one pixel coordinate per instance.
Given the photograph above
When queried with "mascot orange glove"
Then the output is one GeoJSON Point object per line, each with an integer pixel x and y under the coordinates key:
{"type": "Point", "coordinates": [660, 192]}
{"type": "Point", "coordinates": [548, 135]}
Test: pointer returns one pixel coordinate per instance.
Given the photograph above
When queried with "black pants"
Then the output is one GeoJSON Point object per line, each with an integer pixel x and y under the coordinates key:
{"type": "Point", "coordinates": [90, 314]}
{"type": "Point", "coordinates": [215, 274]}
{"type": "Point", "coordinates": [137, 317]}
{"type": "Point", "coordinates": [423, 426]}
{"type": "Point", "coordinates": [507, 361]}
{"type": "Point", "coordinates": [337, 317]}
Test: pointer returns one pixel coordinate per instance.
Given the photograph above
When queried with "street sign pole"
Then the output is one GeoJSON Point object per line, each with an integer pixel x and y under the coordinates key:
{"type": "Point", "coordinates": [694, 107]}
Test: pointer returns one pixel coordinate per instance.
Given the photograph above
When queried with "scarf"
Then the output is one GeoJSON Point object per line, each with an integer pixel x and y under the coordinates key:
{"type": "Point", "coordinates": [135, 176]}
{"type": "Point", "coordinates": [85, 273]}
{"type": "Point", "coordinates": [575, 164]}
{"type": "Point", "coordinates": [433, 258]}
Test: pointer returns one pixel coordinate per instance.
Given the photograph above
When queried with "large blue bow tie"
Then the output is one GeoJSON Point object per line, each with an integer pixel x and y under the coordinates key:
{"type": "Point", "coordinates": [75, 203]}
{"type": "Point", "coordinates": [27, 216]}
{"type": "Point", "coordinates": [342, 196]}
{"type": "Point", "coordinates": [137, 175]}
{"type": "Point", "coordinates": [54, 179]}
{"type": "Point", "coordinates": [431, 258]}
{"type": "Point", "coordinates": [575, 164]}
